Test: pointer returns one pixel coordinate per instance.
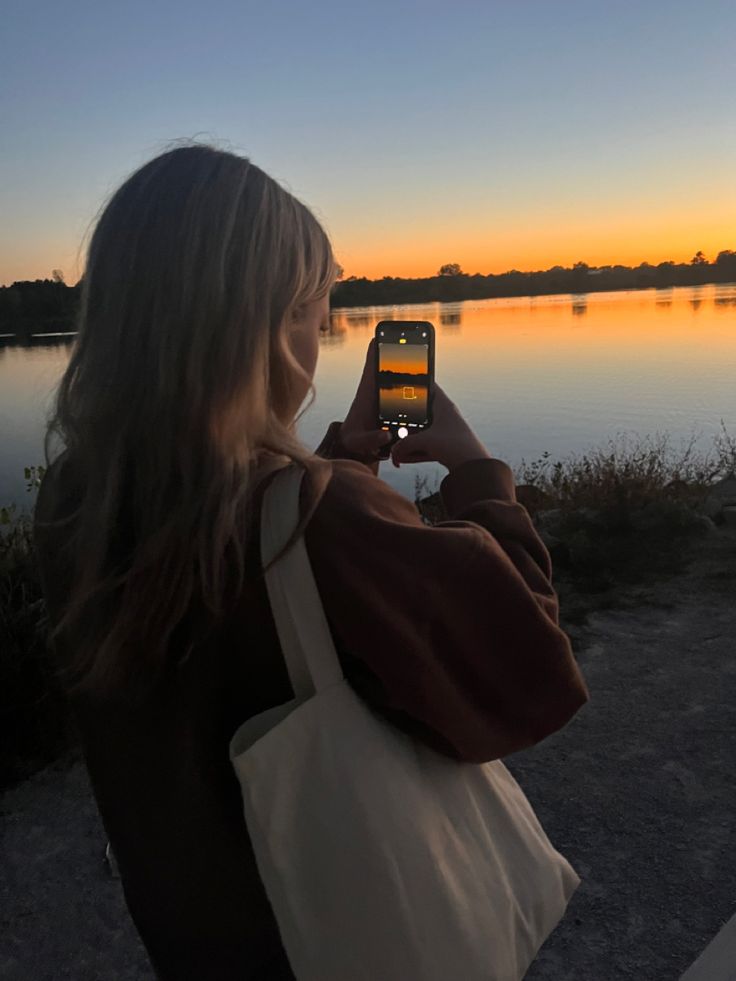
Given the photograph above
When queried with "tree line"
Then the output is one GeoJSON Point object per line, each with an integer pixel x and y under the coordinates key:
{"type": "Point", "coordinates": [49, 305]}
{"type": "Point", "coordinates": [452, 284]}
{"type": "Point", "coordinates": [39, 306]}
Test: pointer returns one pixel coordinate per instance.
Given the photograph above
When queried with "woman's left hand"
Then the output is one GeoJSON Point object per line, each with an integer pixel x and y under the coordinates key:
{"type": "Point", "coordinates": [359, 433]}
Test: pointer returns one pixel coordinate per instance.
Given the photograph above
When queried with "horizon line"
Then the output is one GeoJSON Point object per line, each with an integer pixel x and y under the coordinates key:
{"type": "Point", "coordinates": [580, 263]}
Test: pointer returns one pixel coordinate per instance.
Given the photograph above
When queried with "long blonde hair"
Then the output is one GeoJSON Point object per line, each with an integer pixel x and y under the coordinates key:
{"type": "Point", "coordinates": [175, 388]}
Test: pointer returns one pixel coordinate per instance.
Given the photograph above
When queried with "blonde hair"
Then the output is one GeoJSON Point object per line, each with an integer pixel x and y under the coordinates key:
{"type": "Point", "coordinates": [175, 390]}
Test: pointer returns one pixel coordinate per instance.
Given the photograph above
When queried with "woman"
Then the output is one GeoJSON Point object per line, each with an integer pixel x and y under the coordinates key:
{"type": "Point", "coordinates": [205, 291]}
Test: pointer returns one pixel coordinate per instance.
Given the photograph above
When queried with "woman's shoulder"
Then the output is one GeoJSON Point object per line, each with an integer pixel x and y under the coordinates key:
{"type": "Point", "coordinates": [353, 489]}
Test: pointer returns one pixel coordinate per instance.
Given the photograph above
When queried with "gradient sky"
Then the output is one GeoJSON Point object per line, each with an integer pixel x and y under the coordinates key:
{"type": "Point", "coordinates": [494, 134]}
{"type": "Point", "coordinates": [410, 358]}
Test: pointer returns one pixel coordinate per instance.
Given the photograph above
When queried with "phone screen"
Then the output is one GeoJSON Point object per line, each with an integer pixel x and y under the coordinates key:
{"type": "Point", "coordinates": [404, 368]}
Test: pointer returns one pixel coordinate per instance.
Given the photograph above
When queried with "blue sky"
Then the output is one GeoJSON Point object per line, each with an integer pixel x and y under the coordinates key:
{"type": "Point", "coordinates": [494, 134]}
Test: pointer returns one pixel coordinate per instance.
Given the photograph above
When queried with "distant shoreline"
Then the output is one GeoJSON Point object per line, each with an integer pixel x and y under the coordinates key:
{"type": "Point", "coordinates": [535, 296]}
{"type": "Point", "coordinates": [45, 308]}
{"type": "Point", "coordinates": [580, 278]}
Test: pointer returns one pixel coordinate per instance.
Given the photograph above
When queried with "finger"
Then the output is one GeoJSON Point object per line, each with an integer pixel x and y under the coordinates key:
{"type": "Point", "coordinates": [366, 386]}
{"type": "Point", "coordinates": [411, 449]}
{"type": "Point", "coordinates": [416, 456]}
{"type": "Point", "coordinates": [369, 364]}
{"type": "Point", "coordinates": [362, 414]}
{"type": "Point", "coordinates": [368, 442]}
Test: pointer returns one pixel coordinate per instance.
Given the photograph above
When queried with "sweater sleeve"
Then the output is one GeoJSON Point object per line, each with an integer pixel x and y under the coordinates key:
{"type": "Point", "coordinates": [450, 631]}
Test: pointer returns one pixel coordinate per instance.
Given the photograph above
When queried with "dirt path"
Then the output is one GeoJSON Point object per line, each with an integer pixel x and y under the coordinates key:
{"type": "Point", "coordinates": [638, 792]}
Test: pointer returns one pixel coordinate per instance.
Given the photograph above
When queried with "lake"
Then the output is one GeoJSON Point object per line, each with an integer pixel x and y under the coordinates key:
{"type": "Point", "coordinates": [556, 373]}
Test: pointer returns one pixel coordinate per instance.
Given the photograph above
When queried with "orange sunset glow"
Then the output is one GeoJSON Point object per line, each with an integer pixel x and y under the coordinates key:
{"type": "Point", "coordinates": [529, 239]}
{"type": "Point", "coordinates": [406, 359]}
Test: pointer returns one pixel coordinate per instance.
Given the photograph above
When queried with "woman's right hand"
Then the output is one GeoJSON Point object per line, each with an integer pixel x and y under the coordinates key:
{"type": "Point", "coordinates": [449, 440]}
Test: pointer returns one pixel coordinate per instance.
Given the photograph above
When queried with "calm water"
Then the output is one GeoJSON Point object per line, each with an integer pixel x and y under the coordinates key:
{"type": "Point", "coordinates": [405, 403]}
{"type": "Point", "coordinates": [555, 373]}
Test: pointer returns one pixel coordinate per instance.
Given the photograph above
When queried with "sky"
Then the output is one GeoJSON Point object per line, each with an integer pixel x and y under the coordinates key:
{"type": "Point", "coordinates": [498, 135]}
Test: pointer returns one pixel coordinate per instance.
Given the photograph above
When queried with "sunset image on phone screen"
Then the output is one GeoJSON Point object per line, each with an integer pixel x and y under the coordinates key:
{"type": "Point", "coordinates": [403, 379]}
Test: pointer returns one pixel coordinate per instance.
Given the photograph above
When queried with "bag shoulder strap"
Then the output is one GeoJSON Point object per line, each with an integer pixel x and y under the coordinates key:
{"type": "Point", "coordinates": [306, 641]}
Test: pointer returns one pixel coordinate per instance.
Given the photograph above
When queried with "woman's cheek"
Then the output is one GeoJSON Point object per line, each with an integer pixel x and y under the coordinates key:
{"type": "Point", "coordinates": [305, 347]}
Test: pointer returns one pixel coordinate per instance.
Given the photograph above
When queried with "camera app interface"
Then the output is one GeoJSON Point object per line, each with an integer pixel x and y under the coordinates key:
{"type": "Point", "coordinates": [403, 379]}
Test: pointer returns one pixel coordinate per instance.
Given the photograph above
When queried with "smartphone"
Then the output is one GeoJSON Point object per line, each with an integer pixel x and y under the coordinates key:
{"type": "Point", "coordinates": [404, 377]}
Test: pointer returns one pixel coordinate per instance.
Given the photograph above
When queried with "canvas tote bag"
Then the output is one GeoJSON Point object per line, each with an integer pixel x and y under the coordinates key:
{"type": "Point", "coordinates": [382, 859]}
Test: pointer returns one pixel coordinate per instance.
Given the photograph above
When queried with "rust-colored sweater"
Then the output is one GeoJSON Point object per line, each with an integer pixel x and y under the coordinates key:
{"type": "Point", "coordinates": [450, 632]}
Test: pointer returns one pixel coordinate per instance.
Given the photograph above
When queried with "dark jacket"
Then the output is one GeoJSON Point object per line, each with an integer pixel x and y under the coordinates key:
{"type": "Point", "coordinates": [450, 632]}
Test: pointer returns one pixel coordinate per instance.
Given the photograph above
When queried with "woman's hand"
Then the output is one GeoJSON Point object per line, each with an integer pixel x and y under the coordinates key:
{"type": "Point", "coordinates": [449, 440]}
{"type": "Point", "coordinates": [359, 433]}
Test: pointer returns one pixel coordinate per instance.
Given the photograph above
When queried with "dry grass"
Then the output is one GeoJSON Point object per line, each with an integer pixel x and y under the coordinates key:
{"type": "Point", "coordinates": [621, 513]}
{"type": "Point", "coordinates": [631, 472]}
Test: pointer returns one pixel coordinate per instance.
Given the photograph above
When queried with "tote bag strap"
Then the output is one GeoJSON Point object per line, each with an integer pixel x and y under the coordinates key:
{"type": "Point", "coordinates": [306, 641]}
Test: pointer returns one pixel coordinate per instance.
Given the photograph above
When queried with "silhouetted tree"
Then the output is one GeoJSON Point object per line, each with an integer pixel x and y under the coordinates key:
{"type": "Point", "coordinates": [38, 306]}
{"type": "Point", "coordinates": [698, 259]}
{"type": "Point", "coordinates": [450, 269]}
{"type": "Point", "coordinates": [665, 273]}
{"type": "Point", "coordinates": [57, 275]}
{"type": "Point", "coordinates": [579, 278]}
{"type": "Point", "coordinates": [726, 260]}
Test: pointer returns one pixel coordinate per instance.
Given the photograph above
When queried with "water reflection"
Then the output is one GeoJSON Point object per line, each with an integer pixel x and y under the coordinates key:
{"type": "Point", "coordinates": [451, 314]}
{"type": "Point", "coordinates": [663, 298]}
{"type": "Point", "coordinates": [37, 340]}
{"type": "Point", "coordinates": [405, 402]}
{"type": "Point", "coordinates": [579, 304]}
{"type": "Point", "coordinates": [360, 319]}
{"type": "Point", "coordinates": [335, 333]}
{"type": "Point", "coordinates": [725, 295]}
{"type": "Point", "coordinates": [52, 340]}
{"type": "Point", "coordinates": [696, 298]}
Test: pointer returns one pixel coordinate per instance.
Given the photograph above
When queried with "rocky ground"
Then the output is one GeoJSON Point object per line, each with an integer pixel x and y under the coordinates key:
{"type": "Point", "coordinates": [638, 792]}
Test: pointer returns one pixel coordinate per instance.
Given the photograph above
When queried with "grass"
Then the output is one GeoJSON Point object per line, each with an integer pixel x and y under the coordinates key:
{"type": "Point", "coordinates": [631, 472]}
{"type": "Point", "coordinates": [627, 512]}
{"type": "Point", "coordinates": [623, 512]}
